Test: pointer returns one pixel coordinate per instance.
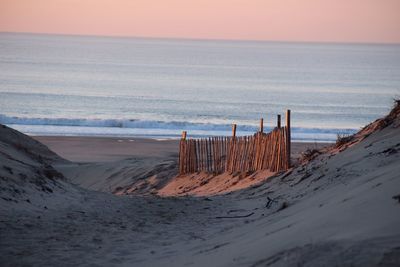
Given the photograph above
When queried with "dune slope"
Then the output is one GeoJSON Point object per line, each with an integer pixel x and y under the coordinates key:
{"type": "Point", "coordinates": [26, 167]}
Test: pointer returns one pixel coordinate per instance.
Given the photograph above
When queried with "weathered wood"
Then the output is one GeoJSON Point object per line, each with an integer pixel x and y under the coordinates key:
{"type": "Point", "coordinates": [241, 155]}
{"type": "Point", "coordinates": [193, 144]}
{"type": "Point", "coordinates": [200, 155]}
{"type": "Point", "coordinates": [278, 162]}
{"type": "Point", "coordinates": [195, 155]}
{"type": "Point", "coordinates": [284, 150]}
{"type": "Point", "coordinates": [247, 158]}
{"type": "Point", "coordinates": [254, 156]}
{"type": "Point", "coordinates": [231, 154]}
{"type": "Point", "coordinates": [264, 151]}
{"type": "Point", "coordinates": [190, 156]}
{"type": "Point", "coordinates": [209, 155]}
{"type": "Point", "coordinates": [256, 151]}
{"type": "Point", "coordinates": [220, 152]}
{"type": "Point", "coordinates": [223, 154]}
{"type": "Point", "coordinates": [205, 155]}
{"type": "Point", "coordinates": [273, 154]}
{"type": "Point", "coordinates": [278, 151]}
{"type": "Point", "coordinates": [250, 154]}
{"type": "Point", "coordinates": [207, 151]}
{"type": "Point", "coordinates": [237, 154]}
{"type": "Point", "coordinates": [215, 154]}
{"type": "Point", "coordinates": [268, 152]}
{"type": "Point", "coordinates": [278, 121]}
{"type": "Point", "coordinates": [288, 138]}
{"type": "Point", "coordinates": [242, 162]}
{"type": "Point", "coordinates": [228, 154]}
{"type": "Point", "coordinates": [181, 154]}
{"type": "Point", "coordinates": [185, 156]}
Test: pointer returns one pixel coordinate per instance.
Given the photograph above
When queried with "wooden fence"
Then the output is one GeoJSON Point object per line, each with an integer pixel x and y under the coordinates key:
{"type": "Point", "coordinates": [234, 155]}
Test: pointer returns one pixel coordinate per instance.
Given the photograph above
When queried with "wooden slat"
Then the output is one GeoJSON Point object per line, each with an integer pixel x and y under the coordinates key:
{"type": "Point", "coordinates": [209, 154]}
{"type": "Point", "coordinates": [181, 155]}
{"type": "Point", "coordinates": [218, 154]}
{"type": "Point", "coordinates": [201, 155]}
{"type": "Point", "coordinates": [190, 156]}
{"type": "Point", "coordinates": [288, 138]}
{"type": "Point", "coordinates": [214, 155]}
{"type": "Point", "coordinates": [273, 145]}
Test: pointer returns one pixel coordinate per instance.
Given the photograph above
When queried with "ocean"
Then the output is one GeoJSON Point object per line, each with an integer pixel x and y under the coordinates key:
{"type": "Point", "coordinates": [141, 87]}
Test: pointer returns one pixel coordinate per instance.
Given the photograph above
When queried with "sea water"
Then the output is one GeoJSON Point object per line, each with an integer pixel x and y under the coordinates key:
{"type": "Point", "coordinates": [109, 86]}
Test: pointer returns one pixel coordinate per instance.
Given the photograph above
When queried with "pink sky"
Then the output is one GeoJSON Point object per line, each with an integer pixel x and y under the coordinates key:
{"type": "Point", "coordinates": [290, 20]}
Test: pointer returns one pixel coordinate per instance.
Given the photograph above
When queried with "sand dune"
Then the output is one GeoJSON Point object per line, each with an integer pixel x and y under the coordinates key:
{"type": "Point", "coordinates": [340, 208]}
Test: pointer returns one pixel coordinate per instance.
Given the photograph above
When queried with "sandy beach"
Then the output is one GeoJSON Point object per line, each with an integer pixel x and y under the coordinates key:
{"type": "Point", "coordinates": [199, 133]}
{"type": "Point", "coordinates": [337, 207]}
{"type": "Point", "coordinates": [143, 166]}
{"type": "Point", "coordinates": [102, 149]}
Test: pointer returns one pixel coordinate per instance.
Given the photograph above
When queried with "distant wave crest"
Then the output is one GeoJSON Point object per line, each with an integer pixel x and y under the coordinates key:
{"type": "Point", "coordinates": [142, 124]}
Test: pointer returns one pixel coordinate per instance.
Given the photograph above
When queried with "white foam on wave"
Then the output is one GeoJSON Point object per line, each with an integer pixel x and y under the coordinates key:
{"type": "Point", "coordinates": [298, 134]}
{"type": "Point", "coordinates": [168, 127]}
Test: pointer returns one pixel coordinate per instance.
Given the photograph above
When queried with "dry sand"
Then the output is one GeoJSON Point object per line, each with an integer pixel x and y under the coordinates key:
{"type": "Point", "coordinates": [339, 209]}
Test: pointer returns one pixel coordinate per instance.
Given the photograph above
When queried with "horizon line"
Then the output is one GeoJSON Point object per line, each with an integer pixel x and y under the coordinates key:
{"type": "Point", "coordinates": [203, 39]}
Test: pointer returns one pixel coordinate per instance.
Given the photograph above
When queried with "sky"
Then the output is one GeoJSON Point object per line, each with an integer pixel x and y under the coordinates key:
{"type": "Point", "coordinates": [365, 21]}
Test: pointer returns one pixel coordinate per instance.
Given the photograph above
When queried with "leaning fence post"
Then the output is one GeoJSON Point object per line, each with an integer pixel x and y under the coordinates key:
{"type": "Point", "coordinates": [261, 125]}
{"type": "Point", "coordinates": [233, 130]}
{"type": "Point", "coordinates": [278, 122]}
{"type": "Point", "coordinates": [288, 137]}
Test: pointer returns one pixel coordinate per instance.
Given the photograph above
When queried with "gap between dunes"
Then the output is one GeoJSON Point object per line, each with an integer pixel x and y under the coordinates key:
{"type": "Point", "coordinates": [340, 207]}
{"type": "Point", "coordinates": [142, 166]}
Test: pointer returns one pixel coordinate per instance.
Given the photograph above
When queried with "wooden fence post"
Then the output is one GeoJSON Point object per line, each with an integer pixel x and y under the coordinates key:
{"type": "Point", "coordinates": [278, 123]}
{"type": "Point", "coordinates": [288, 137]}
{"type": "Point", "coordinates": [182, 154]}
{"type": "Point", "coordinates": [232, 157]}
{"type": "Point", "coordinates": [261, 125]}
